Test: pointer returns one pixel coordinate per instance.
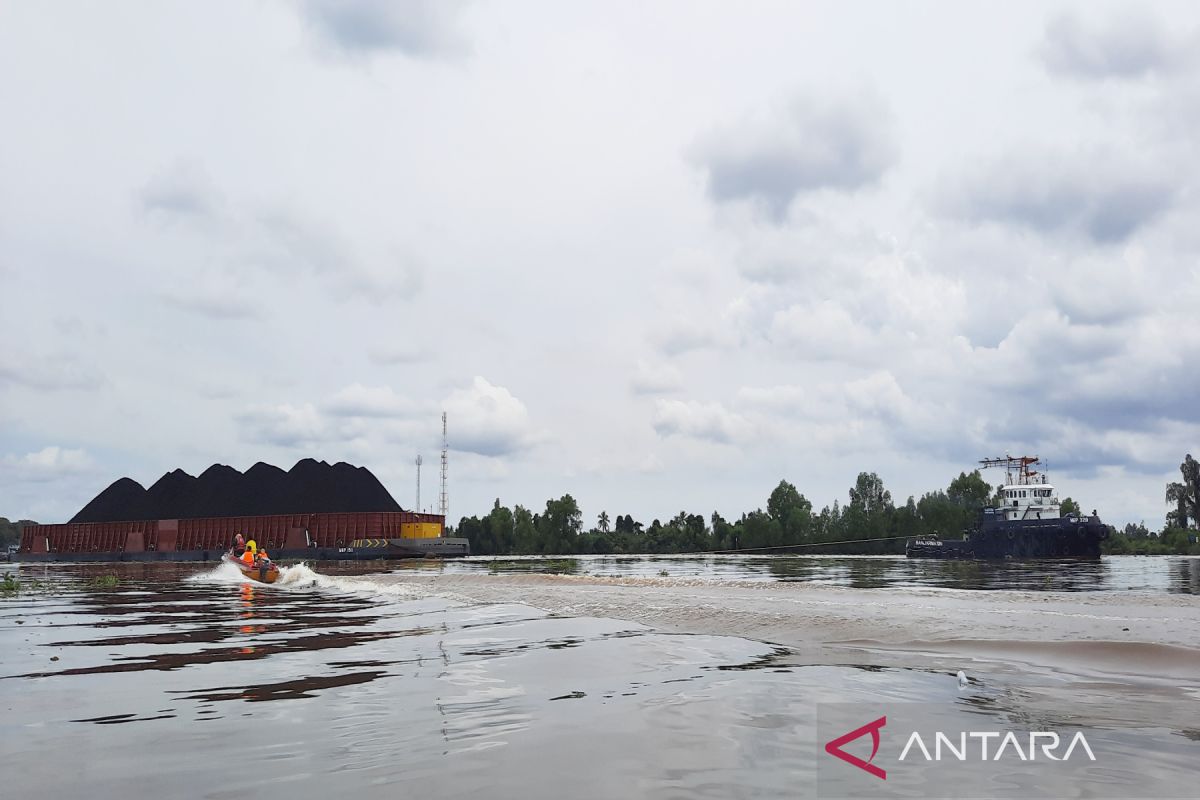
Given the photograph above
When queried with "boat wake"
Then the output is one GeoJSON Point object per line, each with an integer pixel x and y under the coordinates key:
{"type": "Point", "coordinates": [303, 577]}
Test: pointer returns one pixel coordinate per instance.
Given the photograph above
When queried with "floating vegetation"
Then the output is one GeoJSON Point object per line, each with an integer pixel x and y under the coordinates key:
{"type": "Point", "coordinates": [563, 566]}
{"type": "Point", "coordinates": [11, 585]}
{"type": "Point", "coordinates": [104, 582]}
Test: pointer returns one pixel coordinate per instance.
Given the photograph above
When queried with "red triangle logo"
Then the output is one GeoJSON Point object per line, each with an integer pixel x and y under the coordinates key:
{"type": "Point", "coordinates": [834, 747]}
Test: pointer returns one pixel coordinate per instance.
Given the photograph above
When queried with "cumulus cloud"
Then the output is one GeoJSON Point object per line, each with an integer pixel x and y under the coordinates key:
{"type": "Point", "coordinates": [416, 28]}
{"type": "Point", "coordinates": [656, 378]}
{"type": "Point", "coordinates": [1100, 290]}
{"type": "Point", "coordinates": [841, 144]}
{"type": "Point", "coordinates": [822, 331]}
{"type": "Point", "coordinates": [48, 464]}
{"type": "Point", "coordinates": [1103, 196]}
{"type": "Point", "coordinates": [695, 420]}
{"type": "Point", "coordinates": [283, 425]}
{"type": "Point", "coordinates": [488, 420]}
{"type": "Point", "coordinates": [1125, 46]}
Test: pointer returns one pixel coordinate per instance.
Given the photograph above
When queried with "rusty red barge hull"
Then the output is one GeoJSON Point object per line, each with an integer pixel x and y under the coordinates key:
{"type": "Point", "coordinates": [310, 537]}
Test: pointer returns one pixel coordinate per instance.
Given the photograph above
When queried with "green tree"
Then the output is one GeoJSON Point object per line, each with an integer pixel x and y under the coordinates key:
{"type": "Point", "coordinates": [1185, 494]}
{"type": "Point", "coordinates": [723, 533]}
{"type": "Point", "coordinates": [792, 511]}
{"type": "Point", "coordinates": [559, 527]}
{"type": "Point", "coordinates": [10, 532]}
{"type": "Point", "coordinates": [602, 522]}
{"type": "Point", "coordinates": [969, 491]}
{"type": "Point", "coordinates": [869, 495]}
{"type": "Point", "coordinates": [525, 531]}
{"type": "Point", "coordinates": [1068, 508]}
{"type": "Point", "coordinates": [502, 528]}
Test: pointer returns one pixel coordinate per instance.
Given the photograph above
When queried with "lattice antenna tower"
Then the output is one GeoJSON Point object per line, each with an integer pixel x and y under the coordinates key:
{"type": "Point", "coordinates": [418, 483]}
{"type": "Point", "coordinates": [445, 499]}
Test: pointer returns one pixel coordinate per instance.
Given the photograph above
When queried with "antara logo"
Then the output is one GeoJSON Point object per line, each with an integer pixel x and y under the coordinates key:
{"type": "Point", "coordinates": [1047, 742]}
{"type": "Point", "coordinates": [834, 747]}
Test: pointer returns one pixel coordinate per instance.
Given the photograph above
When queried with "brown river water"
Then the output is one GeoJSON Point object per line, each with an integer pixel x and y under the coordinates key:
{"type": "Point", "coordinates": [659, 677]}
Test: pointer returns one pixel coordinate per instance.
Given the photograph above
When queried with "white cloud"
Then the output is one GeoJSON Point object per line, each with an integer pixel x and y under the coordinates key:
{"type": "Point", "coordinates": [418, 28]}
{"type": "Point", "coordinates": [704, 421]}
{"type": "Point", "coordinates": [1128, 45]}
{"type": "Point", "coordinates": [48, 464]}
{"type": "Point", "coordinates": [825, 331]}
{"type": "Point", "coordinates": [656, 378]}
{"type": "Point", "coordinates": [807, 145]}
{"type": "Point", "coordinates": [489, 420]}
{"type": "Point", "coordinates": [283, 424]}
{"type": "Point", "coordinates": [1103, 195]}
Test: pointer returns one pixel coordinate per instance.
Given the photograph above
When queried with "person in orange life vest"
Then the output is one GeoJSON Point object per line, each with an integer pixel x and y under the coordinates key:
{"type": "Point", "coordinates": [248, 556]}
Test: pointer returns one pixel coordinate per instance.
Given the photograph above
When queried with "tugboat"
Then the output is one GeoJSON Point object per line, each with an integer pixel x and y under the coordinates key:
{"type": "Point", "coordinates": [1027, 524]}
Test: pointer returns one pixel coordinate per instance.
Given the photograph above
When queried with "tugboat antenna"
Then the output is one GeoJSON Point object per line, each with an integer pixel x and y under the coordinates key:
{"type": "Point", "coordinates": [1021, 465]}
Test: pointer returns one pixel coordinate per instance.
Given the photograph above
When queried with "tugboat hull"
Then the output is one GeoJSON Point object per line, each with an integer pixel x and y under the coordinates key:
{"type": "Point", "coordinates": [997, 538]}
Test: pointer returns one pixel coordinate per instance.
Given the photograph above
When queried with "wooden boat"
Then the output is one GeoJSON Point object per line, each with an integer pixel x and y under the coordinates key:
{"type": "Point", "coordinates": [264, 572]}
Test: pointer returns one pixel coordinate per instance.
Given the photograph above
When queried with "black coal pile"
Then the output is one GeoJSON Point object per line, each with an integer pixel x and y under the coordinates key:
{"type": "Point", "coordinates": [221, 491]}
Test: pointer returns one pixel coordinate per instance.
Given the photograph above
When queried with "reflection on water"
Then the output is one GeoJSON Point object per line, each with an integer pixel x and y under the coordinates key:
{"type": "Point", "coordinates": [321, 684]}
{"type": "Point", "coordinates": [1109, 574]}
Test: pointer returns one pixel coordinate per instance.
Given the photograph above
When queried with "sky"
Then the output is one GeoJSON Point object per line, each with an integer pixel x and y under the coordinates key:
{"type": "Point", "coordinates": [659, 256]}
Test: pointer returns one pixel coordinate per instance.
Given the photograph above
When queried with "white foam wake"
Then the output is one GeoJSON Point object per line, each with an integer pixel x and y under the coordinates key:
{"type": "Point", "coordinates": [302, 576]}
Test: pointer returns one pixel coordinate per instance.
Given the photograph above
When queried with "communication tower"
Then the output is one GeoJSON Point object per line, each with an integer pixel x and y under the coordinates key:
{"type": "Point", "coordinates": [445, 499]}
{"type": "Point", "coordinates": [418, 483]}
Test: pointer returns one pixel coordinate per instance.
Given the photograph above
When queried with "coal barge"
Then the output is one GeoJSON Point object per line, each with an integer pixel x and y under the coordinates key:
{"type": "Point", "coordinates": [1027, 524]}
{"type": "Point", "coordinates": [348, 516]}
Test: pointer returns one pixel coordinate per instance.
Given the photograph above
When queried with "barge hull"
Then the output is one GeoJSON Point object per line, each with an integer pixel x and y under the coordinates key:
{"type": "Point", "coordinates": [308, 537]}
{"type": "Point", "coordinates": [443, 547]}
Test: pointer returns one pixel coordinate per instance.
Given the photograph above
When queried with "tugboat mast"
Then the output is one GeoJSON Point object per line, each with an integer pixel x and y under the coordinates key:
{"type": "Point", "coordinates": [1019, 467]}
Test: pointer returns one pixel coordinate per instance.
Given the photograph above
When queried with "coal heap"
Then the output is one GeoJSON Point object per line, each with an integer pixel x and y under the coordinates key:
{"type": "Point", "coordinates": [220, 491]}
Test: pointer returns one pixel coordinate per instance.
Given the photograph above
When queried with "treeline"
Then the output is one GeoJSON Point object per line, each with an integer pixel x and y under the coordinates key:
{"type": "Point", "coordinates": [1176, 537]}
{"type": "Point", "coordinates": [870, 523]}
{"type": "Point", "coordinates": [10, 532]}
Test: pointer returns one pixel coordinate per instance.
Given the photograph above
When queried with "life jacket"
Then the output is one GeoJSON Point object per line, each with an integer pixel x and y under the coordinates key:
{"type": "Point", "coordinates": [248, 557]}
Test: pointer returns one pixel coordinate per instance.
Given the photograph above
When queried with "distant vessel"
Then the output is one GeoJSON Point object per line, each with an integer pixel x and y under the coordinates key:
{"type": "Point", "coordinates": [1027, 524]}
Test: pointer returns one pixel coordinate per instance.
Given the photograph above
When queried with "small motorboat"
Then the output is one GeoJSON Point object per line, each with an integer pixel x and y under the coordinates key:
{"type": "Point", "coordinates": [264, 571]}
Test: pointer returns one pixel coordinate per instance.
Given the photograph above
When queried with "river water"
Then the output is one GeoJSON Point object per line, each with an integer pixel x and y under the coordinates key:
{"type": "Point", "coordinates": [590, 677]}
